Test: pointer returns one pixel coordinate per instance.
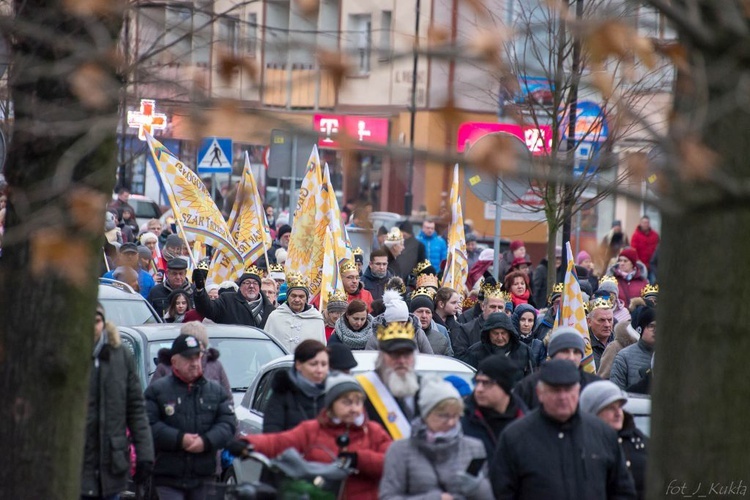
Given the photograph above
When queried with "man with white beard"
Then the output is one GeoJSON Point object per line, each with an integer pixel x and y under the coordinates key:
{"type": "Point", "coordinates": [392, 387]}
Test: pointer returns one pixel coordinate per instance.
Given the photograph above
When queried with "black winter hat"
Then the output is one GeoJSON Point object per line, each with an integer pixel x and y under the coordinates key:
{"type": "Point", "coordinates": [340, 357]}
{"type": "Point", "coordinates": [419, 301]}
{"type": "Point", "coordinates": [185, 345]}
{"type": "Point", "coordinates": [646, 316]}
{"type": "Point", "coordinates": [286, 228]}
{"type": "Point", "coordinates": [501, 370]}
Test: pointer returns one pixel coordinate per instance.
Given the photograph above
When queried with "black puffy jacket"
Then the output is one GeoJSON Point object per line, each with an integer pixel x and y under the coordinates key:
{"type": "Point", "coordinates": [525, 390]}
{"type": "Point", "coordinates": [174, 409]}
{"type": "Point", "coordinates": [518, 351]}
{"type": "Point", "coordinates": [231, 308]}
{"type": "Point", "coordinates": [289, 405]}
{"type": "Point", "coordinates": [159, 295]}
{"type": "Point", "coordinates": [486, 424]}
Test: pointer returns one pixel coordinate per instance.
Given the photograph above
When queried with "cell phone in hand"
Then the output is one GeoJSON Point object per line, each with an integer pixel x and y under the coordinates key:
{"type": "Point", "coordinates": [475, 466]}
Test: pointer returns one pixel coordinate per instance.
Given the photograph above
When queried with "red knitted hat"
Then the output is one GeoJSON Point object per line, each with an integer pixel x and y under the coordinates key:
{"type": "Point", "coordinates": [630, 254]}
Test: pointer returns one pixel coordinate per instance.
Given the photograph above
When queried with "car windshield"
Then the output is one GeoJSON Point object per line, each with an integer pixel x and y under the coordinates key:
{"type": "Point", "coordinates": [144, 209]}
{"type": "Point", "coordinates": [241, 358]}
{"type": "Point", "coordinates": [128, 312]}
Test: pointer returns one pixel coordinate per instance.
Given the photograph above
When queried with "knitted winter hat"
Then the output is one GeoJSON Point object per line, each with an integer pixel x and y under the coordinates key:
{"type": "Point", "coordinates": [433, 390]}
{"type": "Point", "coordinates": [630, 253]}
{"type": "Point", "coordinates": [609, 287]}
{"type": "Point", "coordinates": [421, 300]}
{"type": "Point", "coordinates": [501, 370]}
{"type": "Point", "coordinates": [597, 395]}
{"type": "Point", "coordinates": [565, 337]}
{"type": "Point", "coordinates": [515, 245]}
{"type": "Point", "coordinates": [395, 307]}
{"type": "Point", "coordinates": [286, 228]}
{"type": "Point", "coordinates": [340, 357]}
{"type": "Point", "coordinates": [338, 384]}
{"type": "Point", "coordinates": [582, 255]}
{"type": "Point", "coordinates": [646, 316]}
{"type": "Point", "coordinates": [100, 311]}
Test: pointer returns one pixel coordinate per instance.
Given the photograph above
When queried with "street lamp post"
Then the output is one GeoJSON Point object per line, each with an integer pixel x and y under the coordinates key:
{"type": "Point", "coordinates": [409, 197]}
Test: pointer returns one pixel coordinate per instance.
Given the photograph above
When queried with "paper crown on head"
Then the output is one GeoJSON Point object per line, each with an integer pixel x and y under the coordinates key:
{"type": "Point", "coordinates": [608, 278]}
{"type": "Point", "coordinates": [427, 280]}
{"type": "Point", "coordinates": [398, 285]}
{"type": "Point", "coordinates": [203, 265]}
{"type": "Point", "coordinates": [421, 267]}
{"type": "Point", "coordinates": [492, 291]}
{"type": "Point", "coordinates": [296, 280]}
{"type": "Point", "coordinates": [337, 296]}
{"type": "Point", "coordinates": [395, 331]}
{"type": "Point", "coordinates": [468, 302]}
{"type": "Point", "coordinates": [348, 265]}
{"type": "Point", "coordinates": [508, 296]}
{"type": "Point", "coordinates": [358, 251]}
{"type": "Point", "coordinates": [255, 270]}
{"type": "Point", "coordinates": [276, 268]}
{"type": "Point", "coordinates": [600, 303]}
{"type": "Point", "coordinates": [429, 292]}
{"type": "Point", "coordinates": [394, 235]}
{"type": "Point", "coordinates": [557, 290]}
{"type": "Point", "coordinates": [650, 290]}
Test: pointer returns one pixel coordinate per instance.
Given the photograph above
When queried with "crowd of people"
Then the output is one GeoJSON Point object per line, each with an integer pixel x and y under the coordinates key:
{"type": "Point", "coordinates": [536, 424]}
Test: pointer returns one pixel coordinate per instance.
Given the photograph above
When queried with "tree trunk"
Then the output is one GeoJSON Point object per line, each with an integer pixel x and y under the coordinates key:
{"type": "Point", "coordinates": [60, 165]}
{"type": "Point", "coordinates": [701, 395]}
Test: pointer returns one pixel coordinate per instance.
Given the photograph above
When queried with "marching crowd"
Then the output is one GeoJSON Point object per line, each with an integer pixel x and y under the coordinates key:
{"type": "Point", "coordinates": [536, 423]}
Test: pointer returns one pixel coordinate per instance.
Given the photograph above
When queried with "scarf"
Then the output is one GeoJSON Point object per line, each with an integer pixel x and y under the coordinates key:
{"type": "Point", "coordinates": [520, 299]}
{"type": "Point", "coordinates": [359, 421]}
{"type": "Point", "coordinates": [307, 387]}
{"type": "Point", "coordinates": [103, 340]}
{"type": "Point", "coordinates": [256, 309]}
{"type": "Point", "coordinates": [353, 340]}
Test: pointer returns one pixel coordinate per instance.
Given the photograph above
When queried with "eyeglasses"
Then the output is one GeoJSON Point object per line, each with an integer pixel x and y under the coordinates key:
{"type": "Point", "coordinates": [250, 283]}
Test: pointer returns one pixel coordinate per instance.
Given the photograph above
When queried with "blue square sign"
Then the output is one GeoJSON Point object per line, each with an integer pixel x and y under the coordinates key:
{"type": "Point", "coordinates": [215, 156]}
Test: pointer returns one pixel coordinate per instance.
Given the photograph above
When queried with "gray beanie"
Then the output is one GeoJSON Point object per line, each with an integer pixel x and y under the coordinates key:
{"type": "Point", "coordinates": [338, 383]}
{"type": "Point", "coordinates": [564, 338]}
{"type": "Point", "coordinates": [597, 395]}
{"type": "Point", "coordinates": [433, 390]}
{"type": "Point", "coordinates": [609, 287]}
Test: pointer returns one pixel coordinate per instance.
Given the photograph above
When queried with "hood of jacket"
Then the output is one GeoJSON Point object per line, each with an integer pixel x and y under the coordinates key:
{"type": "Point", "coordinates": [113, 336]}
{"type": "Point", "coordinates": [380, 321]}
{"type": "Point", "coordinates": [518, 312]}
{"type": "Point", "coordinates": [625, 334]}
{"type": "Point", "coordinates": [308, 313]}
{"type": "Point", "coordinates": [503, 322]}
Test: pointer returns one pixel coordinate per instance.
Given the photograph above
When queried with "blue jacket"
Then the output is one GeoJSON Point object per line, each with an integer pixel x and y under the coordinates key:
{"type": "Point", "coordinates": [435, 247]}
{"type": "Point", "coordinates": [145, 281]}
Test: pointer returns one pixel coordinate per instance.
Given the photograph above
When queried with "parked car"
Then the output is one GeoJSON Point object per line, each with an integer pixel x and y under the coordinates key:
{"type": "Point", "coordinates": [639, 405]}
{"type": "Point", "coordinates": [123, 305]}
{"type": "Point", "coordinates": [145, 208]}
{"type": "Point", "coordinates": [244, 350]}
{"type": "Point", "coordinates": [250, 410]}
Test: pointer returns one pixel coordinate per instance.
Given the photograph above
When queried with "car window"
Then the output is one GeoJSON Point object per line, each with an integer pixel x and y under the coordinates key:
{"type": "Point", "coordinates": [128, 312]}
{"type": "Point", "coordinates": [264, 392]}
{"type": "Point", "coordinates": [135, 349]}
{"type": "Point", "coordinates": [643, 422]}
{"type": "Point", "coordinates": [144, 209]}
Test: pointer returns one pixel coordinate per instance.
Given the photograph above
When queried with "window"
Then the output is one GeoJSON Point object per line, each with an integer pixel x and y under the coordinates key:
{"type": "Point", "coordinates": [178, 39]}
{"type": "Point", "coordinates": [251, 38]}
{"type": "Point", "coordinates": [228, 32]}
{"type": "Point", "coordinates": [384, 50]}
{"type": "Point", "coordinates": [360, 41]}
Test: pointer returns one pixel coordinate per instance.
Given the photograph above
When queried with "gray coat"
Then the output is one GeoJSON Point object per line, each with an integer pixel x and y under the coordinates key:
{"type": "Point", "coordinates": [630, 364]}
{"type": "Point", "coordinates": [440, 343]}
{"type": "Point", "coordinates": [115, 404]}
{"type": "Point", "coordinates": [423, 345]}
{"type": "Point", "coordinates": [412, 467]}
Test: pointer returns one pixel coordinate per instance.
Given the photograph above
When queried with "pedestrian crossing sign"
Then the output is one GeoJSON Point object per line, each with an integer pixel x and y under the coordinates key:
{"type": "Point", "coordinates": [215, 156]}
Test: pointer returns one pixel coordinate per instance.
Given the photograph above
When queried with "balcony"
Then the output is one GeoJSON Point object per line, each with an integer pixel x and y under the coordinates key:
{"type": "Point", "coordinates": [297, 86]}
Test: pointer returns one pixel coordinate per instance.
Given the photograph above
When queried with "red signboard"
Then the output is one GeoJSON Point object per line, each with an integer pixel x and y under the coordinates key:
{"type": "Point", "coordinates": [359, 128]}
{"type": "Point", "coordinates": [537, 139]}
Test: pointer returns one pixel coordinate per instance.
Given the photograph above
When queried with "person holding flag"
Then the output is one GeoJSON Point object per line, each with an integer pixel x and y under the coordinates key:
{"type": "Point", "coordinates": [457, 264]}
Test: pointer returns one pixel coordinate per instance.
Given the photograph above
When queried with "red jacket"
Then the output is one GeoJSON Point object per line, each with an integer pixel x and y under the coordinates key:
{"type": "Point", "coordinates": [316, 442]}
{"type": "Point", "coordinates": [645, 244]}
{"type": "Point", "coordinates": [630, 289]}
{"type": "Point", "coordinates": [362, 295]}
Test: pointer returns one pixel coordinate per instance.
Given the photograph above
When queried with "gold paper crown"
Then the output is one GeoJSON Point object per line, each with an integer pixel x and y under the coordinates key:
{"type": "Point", "coordinates": [508, 296]}
{"type": "Point", "coordinates": [650, 290]}
{"type": "Point", "coordinates": [421, 267]}
{"type": "Point", "coordinates": [468, 302]}
{"type": "Point", "coordinates": [203, 265]}
{"type": "Point", "coordinates": [558, 288]}
{"type": "Point", "coordinates": [429, 292]}
{"type": "Point", "coordinates": [396, 331]}
{"type": "Point", "coordinates": [394, 235]}
{"type": "Point", "coordinates": [276, 268]}
{"type": "Point", "coordinates": [586, 308]}
{"type": "Point", "coordinates": [424, 280]}
{"type": "Point", "coordinates": [400, 289]}
{"type": "Point", "coordinates": [296, 280]}
{"type": "Point", "coordinates": [348, 265]}
{"type": "Point", "coordinates": [337, 296]}
{"type": "Point", "coordinates": [256, 271]}
{"type": "Point", "coordinates": [493, 291]}
{"type": "Point", "coordinates": [357, 251]}
{"type": "Point", "coordinates": [600, 303]}
{"type": "Point", "coordinates": [606, 279]}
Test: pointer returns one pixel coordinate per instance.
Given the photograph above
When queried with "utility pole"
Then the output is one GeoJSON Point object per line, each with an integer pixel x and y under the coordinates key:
{"type": "Point", "coordinates": [409, 197]}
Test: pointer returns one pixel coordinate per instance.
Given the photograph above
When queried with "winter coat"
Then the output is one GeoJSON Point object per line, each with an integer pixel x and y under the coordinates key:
{"type": "Point", "coordinates": [469, 315]}
{"type": "Point", "coordinates": [545, 325]}
{"type": "Point", "coordinates": [423, 344]}
{"type": "Point", "coordinates": [538, 351]}
{"type": "Point", "coordinates": [541, 458]}
{"type": "Point", "coordinates": [624, 336]}
{"type": "Point", "coordinates": [316, 441]}
{"type": "Point", "coordinates": [375, 285]}
{"type": "Point", "coordinates": [630, 364]}
{"type": "Point", "coordinates": [231, 308]}
{"type": "Point", "coordinates": [539, 290]}
{"type": "Point", "coordinates": [212, 368]}
{"type": "Point", "coordinates": [145, 282]}
{"type": "Point", "coordinates": [598, 347]}
{"type": "Point", "coordinates": [414, 252]}
{"type": "Point", "coordinates": [438, 341]}
{"type": "Point", "coordinates": [466, 335]}
{"type": "Point", "coordinates": [361, 294]}
{"type": "Point", "coordinates": [525, 390]}
{"type": "Point", "coordinates": [176, 408]}
{"type": "Point", "coordinates": [343, 334]}
{"type": "Point", "coordinates": [435, 247]}
{"type": "Point", "coordinates": [486, 425]}
{"type": "Point", "coordinates": [291, 402]}
{"type": "Point", "coordinates": [115, 405]}
{"type": "Point", "coordinates": [645, 244]}
{"type": "Point", "coordinates": [159, 295]}
{"type": "Point", "coordinates": [418, 469]}
{"type": "Point", "coordinates": [516, 350]}
{"type": "Point", "coordinates": [630, 288]}
{"type": "Point", "coordinates": [450, 322]}
{"type": "Point", "coordinates": [634, 445]}
{"type": "Point", "coordinates": [290, 328]}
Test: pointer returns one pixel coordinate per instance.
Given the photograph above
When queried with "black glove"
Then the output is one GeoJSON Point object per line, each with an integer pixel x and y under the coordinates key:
{"type": "Point", "coordinates": [351, 456]}
{"type": "Point", "coordinates": [239, 448]}
{"type": "Point", "coordinates": [199, 278]}
{"type": "Point", "coordinates": [143, 471]}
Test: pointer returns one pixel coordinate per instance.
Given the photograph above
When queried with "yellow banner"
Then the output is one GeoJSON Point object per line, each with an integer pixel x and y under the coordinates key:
{"type": "Point", "coordinates": [457, 263]}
